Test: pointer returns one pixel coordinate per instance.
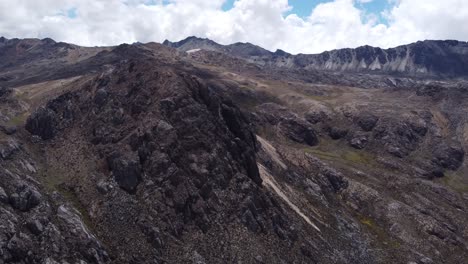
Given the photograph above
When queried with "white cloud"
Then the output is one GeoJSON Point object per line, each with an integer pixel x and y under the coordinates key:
{"type": "Point", "coordinates": [334, 24]}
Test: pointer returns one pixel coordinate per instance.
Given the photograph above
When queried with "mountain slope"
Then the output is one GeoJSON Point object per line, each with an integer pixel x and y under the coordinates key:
{"type": "Point", "coordinates": [145, 153]}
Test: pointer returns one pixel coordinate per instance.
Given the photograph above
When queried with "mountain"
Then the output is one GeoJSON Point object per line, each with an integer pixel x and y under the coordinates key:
{"type": "Point", "coordinates": [194, 152]}
{"type": "Point", "coordinates": [424, 58]}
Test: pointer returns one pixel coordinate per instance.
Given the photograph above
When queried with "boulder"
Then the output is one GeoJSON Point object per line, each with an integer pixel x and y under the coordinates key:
{"type": "Point", "coordinates": [448, 156]}
{"type": "Point", "coordinates": [337, 132]}
{"type": "Point", "coordinates": [396, 150]}
{"type": "Point", "coordinates": [419, 126]}
{"type": "Point", "coordinates": [9, 130]}
{"type": "Point", "coordinates": [367, 121]}
{"type": "Point", "coordinates": [359, 141]}
{"type": "Point", "coordinates": [103, 187]}
{"type": "Point", "coordinates": [25, 198]}
{"type": "Point", "coordinates": [336, 179]}
{"type": "Point", "coordinates": [35, 226]}
{"type": "Point", "coordinates": [315, 116]}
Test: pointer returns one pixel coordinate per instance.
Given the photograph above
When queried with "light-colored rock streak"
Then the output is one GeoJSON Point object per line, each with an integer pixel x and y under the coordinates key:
{"type": "Point", "coordinates": [270, 181]}
{"type": "Point", "coordinates": [72, 218]}
{"type": "Point", "coordinates": [271, 151]}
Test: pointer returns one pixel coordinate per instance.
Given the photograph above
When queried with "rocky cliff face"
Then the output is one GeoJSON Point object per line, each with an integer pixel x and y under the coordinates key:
{"type": "Point", "coordinates": [440, 58]}
{"type": "Point", "coordinates": [146, 154]}
{"type": "Point", "coordinates": [424, 58]}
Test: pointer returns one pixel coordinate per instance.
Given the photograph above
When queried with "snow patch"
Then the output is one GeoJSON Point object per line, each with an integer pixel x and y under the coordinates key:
{"type": "Point", "coordinates": [193, 51]}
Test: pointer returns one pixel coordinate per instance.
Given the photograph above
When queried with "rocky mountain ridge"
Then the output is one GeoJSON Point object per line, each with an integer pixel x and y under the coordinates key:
{"type": "Point", "coordinates": [424, 58]}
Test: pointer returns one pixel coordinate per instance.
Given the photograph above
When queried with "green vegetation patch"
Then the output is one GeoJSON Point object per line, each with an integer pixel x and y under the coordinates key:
{"type": "Point", "coordinates": [346, 156]}
{"type": "Point", "coordinates": [381, 235]}
{"type": "Point", "coordinates": [53, 181]}
{"type": "Point", "coordinates": [19, 119]}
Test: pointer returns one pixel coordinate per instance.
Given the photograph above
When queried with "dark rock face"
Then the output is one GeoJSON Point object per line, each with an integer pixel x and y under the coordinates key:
{"type": "Point", "coordinates": [299, 131]}
{"type": "Point", "coordinates": [237, 124]}
{"type": "Point", "coordinates": [47, 121]}
{"type": "Point", "coordinates": [5, 92]}
{"type": "Point", "coordinates": [289, 125]}
{"type": "Point", "coordinates": [101, 96]}
{"type": "Point", "coordinates": [42, 123]}
{"type": "Point", "coordinates": [448, 156]}
{"type": "Point", "coordinates": [127, 172]}
{"type": "Point", "coordinates": [429, 90]}
{"type": "Point", "coordinates": [400, 137]}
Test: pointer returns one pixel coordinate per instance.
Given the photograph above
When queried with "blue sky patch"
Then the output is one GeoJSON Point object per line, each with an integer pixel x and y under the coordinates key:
{"type": "Point", "coordinates": [228, 5]}
{"type": "Point", "coordinates": [72, 13]}
{"type": "Point", "coordinates": [376, 7]}
{"type": "Point", "coordinates": [303, 8]}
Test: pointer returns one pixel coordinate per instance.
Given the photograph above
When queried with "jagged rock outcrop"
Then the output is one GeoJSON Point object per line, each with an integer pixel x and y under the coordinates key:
{"type": "Point", "coordinates": [184, 157]}
{"type": "Point", "coordinates": [43, 123]}
{"type": "Point", "coordinates": [37, 227]}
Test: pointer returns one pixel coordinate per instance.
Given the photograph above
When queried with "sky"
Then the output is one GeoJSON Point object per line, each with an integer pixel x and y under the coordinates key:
{"type": "Point", "coordinates": [296, 26]}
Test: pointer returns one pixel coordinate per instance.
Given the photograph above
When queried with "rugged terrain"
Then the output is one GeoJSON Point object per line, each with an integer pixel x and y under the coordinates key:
{"type": "Point", "coordinates": [194, 152]}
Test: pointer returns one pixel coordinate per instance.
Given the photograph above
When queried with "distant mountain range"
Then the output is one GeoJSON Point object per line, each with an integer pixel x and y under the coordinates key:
{"type": "Point", "coordinates": [447, 58]}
